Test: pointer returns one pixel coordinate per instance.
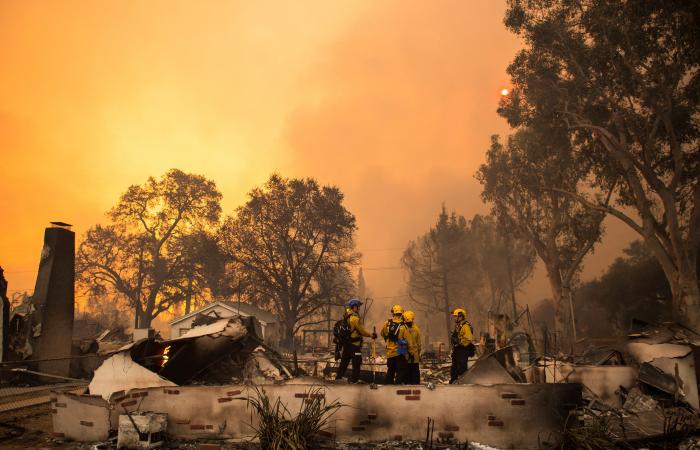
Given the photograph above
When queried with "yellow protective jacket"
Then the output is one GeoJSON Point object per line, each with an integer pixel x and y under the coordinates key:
{"type": "Point", "coordinates": [462, 334]}
{"type": "Point", "coordinates": [356, 329]}
{"type": "Point", "coordinates": [392, 346]}
{"type": "Point", "coordinates": [414, 344]}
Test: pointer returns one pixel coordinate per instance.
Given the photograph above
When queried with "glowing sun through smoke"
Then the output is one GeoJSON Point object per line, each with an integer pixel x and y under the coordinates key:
{"type": "Point", "coordinates": [504, 92]}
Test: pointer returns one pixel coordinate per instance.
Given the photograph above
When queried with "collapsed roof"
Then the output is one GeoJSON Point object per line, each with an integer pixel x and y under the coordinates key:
{"type": "Point", "coordinates": [217, 352]}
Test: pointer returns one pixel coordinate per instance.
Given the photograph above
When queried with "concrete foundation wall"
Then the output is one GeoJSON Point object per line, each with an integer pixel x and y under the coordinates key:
{"type": "Point", "coordinates": [80, 417]}
{"type": "Point", "coordinates": [508, 415]}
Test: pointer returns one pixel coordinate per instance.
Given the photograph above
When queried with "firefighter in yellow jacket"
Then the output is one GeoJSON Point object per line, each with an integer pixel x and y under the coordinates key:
{"type": "Point", "coordinates": [395, 336]}
{"type": "Point", "coordinates": [414, 347]}
{"type": "Point", "coordinates": [462, 347]}
{"type": "Point", "coordinates": [352, 349]}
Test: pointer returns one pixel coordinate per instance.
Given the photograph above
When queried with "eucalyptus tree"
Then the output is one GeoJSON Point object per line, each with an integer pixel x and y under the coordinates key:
{"type": "Point", "coordinates": [626, 75]}
{"type": "Point", "coordinates": [523, 180]}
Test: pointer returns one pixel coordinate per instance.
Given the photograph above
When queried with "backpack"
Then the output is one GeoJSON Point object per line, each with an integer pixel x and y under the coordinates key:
{"type": "Point", "coordinates": [393, 330]}
{"type": "Point", "coordinates": [341, 332]}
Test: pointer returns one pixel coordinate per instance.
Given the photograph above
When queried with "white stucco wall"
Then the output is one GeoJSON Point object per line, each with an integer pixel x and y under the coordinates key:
{"type": "Point", "coordinates": [504, 415]}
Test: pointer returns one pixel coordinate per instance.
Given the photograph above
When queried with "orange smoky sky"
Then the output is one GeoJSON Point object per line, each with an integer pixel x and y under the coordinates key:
{"type": "Point", "coordinates": [393, 101]}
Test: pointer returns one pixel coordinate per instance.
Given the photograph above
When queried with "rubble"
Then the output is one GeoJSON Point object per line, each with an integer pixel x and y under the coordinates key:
{"type": "Point", "coordinates": [217, 352]}
{"type": "Point", "coordinates": [637, 402]}
{"type": "Point", "coordinates": [141, 431]}
{"type": "Point", "coordinates": [486, 371]}
{"type": "Point", "coordinates": [261, 367]}
{"type": "Point", "coordinates": [667, 354]}
{"type": "Point", "coordinates": [653, 397]}
{"type": "Point", "coordinates": [501, 366]}
{"type": "Point", "coordinates": [122, 373]}
{"type": "Point", "coordinates": [627, 393]}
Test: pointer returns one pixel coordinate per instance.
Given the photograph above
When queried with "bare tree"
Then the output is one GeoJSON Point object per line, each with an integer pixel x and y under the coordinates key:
{"type": "Point", "coordinates": [142, 254]}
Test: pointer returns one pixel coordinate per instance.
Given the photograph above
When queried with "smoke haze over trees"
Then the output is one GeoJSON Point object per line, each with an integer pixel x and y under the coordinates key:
{"type": "Point", "coordinates": [146, 254]}
{"type": "Point", "coordinates": [461, 263]}
{"type": "Point", "coordinates": [619, 81]}
{"type": "Point", "coordinates": [523, 180]}
{"type": "Point", "coordinates": [624, 77]}
{"type": "Point", "coordinates": [634, 286]}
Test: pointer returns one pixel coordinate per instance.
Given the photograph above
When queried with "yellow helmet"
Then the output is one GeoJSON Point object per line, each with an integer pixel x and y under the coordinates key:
{"type": "Point", "coordinates": [460, 311]}
{"type": "Point", "coordinates": [409, 316]}
{"type": "Point", "coordinates": [396, 309]}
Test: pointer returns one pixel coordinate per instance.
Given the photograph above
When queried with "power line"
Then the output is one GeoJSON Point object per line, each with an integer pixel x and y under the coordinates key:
{"type": "Point", "coordinates": [383, 268]}
{"type": "Point", "coordinates": [390, 296]}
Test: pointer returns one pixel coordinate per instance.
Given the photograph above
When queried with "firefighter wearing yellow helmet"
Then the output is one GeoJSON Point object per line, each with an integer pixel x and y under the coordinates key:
{"type": "Point", "coordinates": [414, 347]}
{"type": "Point", "coordinates": [462, 347]}
{"type": "Point", "coordinates": [396, 338]}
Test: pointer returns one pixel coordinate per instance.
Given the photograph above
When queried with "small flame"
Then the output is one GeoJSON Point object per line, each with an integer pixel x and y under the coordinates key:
{"type": "Point", "coordinates": [166, 356]}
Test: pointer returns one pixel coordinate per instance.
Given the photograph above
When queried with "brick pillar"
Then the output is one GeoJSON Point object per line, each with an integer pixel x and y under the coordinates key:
{"type": "Point", "coordinates": [54, 299]}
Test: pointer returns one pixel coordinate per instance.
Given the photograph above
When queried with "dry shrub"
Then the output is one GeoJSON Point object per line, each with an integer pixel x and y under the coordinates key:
{"type": "Point", "coordinates": [279, 429]}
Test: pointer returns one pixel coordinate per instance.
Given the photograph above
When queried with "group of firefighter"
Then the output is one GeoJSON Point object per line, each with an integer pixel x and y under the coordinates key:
{"type": "Point", "coordinates": [403, 344]}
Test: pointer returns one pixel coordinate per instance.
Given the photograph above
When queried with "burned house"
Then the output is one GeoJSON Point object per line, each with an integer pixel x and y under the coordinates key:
{"type": "Point", "coordinates": [183, 379]}
{"type": "Point", "coordinates": [270, 327]}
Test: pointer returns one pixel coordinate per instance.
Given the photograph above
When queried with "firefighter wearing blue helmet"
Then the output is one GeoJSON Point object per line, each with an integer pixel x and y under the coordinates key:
{"type": "Point", "coordinates": [348, 333]}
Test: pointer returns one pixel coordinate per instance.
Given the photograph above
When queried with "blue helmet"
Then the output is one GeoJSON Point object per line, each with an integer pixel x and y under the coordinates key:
{"type": "Point", "coordinates": [354, 302]}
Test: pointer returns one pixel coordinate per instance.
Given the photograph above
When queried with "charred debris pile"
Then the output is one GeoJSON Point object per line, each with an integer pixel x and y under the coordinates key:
{"type": "Point", "coordinates": [217, 351]}
{"type": "Point", "coordinates": [638, 392]}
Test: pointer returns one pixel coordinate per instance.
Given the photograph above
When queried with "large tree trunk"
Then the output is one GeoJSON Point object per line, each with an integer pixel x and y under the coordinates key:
{"type": "Point", "coordinates": [188, 297]}
{"type": "Point", "coordinates": [146, 315]}
{"type": "Point", "coordinates": [675, 249]}
{"type": "Point", "coordinates": [142, 319]}
{"type": "Point", "coordinates": [559, 296]}
{"type": "Point", "coordinates": [146, 320]}
{"type": "Point", "coordinates": [686, 296]}
{"type": "Point", "coordinates": [686, 293]}
{"type": "Point", "coordinates": [681, 274]}
{"type": "Point", "coordinates": [288, 336]}
{"type": "Point", "coordinates": [568, 305]}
